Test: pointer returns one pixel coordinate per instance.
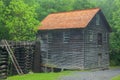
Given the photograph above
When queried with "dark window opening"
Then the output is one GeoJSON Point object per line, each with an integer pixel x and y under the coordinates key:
{"type": "Point", "coordinates": [99, 35]}
{"type": "Point", "coordinates": [99, 59]}
{"type": "Point", "coordinates": [49, 39]}
{"type": "Point", "coordinates": [66, 37]}
{"type": "Point", "coordinates": [43, 39]}
{"type": "Point", "coordinates": [100, 55]}
{"type": "Point", "coordinates": [90, 35]}
{"type": "Point", "coordinates": [49, 54]}
{"type": "Point", "coordinates": [106, 53]}
{"type": "Point", "coordinates": [43, 54]}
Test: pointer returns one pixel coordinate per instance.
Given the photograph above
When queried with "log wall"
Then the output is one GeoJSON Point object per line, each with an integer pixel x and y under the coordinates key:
{"type": "Point", "coordinates": [23, 51]}
{"type": "Point", "coordinates": [96, 56]}
{"type": "Point", "coordinates": [58, 53]}
{"type": "Point", "coordinates": [3, 63]}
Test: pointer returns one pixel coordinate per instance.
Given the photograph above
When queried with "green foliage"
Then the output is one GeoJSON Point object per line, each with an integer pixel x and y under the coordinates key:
{"type": "Point", "coordinates": [46, 7]}
{"type": "Point", "coordinates": [3, 29]}
{"type": "Point", "coordinates": [115, 36]}
{"type": "Point", "coordinates": [80, 4]}
{"type": "Point", "coordinates": [20, 20]}
{"type": "Point", "coordinates": [50, 6]}
{"type": "Point", "coordinates": [63, 5]}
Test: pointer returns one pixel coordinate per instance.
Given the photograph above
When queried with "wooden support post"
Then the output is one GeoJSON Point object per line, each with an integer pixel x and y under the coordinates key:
{"type": "Point", "coordinates": [52, 69]}
{"type": "Point", "coordinates": [37, 58]}
{"type": "Point", "coordinates": [62, 69]}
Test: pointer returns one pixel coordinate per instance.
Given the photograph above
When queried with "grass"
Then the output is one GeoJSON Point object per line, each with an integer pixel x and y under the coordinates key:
{"type": "Point", "coordinates": [39, 76]}
{"type": "Point", "coordinates": [116, 78]}
{"type": "Point", "coordinates": [114, 67]}
{"type": "Point", "coordinates": [51, 76]}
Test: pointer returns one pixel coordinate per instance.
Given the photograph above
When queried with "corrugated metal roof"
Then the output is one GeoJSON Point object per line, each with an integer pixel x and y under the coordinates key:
{"type": "Point", "coordinates": [71, 19]}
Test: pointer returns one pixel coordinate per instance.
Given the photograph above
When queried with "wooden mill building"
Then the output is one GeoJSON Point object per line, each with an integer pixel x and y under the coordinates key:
{"type": "Point", "coordinates": [75, 40]}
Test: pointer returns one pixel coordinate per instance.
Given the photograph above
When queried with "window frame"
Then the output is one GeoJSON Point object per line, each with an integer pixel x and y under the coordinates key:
{"type": "Point", "coordinates": [91, 35]}
{"type": "Point", "coordinates": [99, 38]}
{"type": "Point", "coordinates": [49, 38]}
{"type": "Point", "coordinates": [49, 55]}
{"type": "Point", "coordinates": [66, 37]}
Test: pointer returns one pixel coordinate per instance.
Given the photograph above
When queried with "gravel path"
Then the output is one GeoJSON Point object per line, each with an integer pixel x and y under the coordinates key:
{"type": "Point", "coordinates": [92, 75]}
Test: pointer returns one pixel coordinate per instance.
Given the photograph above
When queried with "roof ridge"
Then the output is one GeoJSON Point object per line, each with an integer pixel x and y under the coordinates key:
{"type": "Point", "coordinates": [76, 10]}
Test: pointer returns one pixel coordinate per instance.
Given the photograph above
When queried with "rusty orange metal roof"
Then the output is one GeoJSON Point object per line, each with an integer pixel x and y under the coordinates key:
{"type": "Point", "coordinates": [71, 19]}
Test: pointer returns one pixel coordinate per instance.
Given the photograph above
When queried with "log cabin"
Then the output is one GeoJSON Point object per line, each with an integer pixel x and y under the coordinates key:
{"type": "Point", "coordinates": [75, 40]}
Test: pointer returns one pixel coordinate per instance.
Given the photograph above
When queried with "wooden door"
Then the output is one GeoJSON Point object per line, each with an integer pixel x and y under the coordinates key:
{"type": "Point", "coordinates": [99, 60]}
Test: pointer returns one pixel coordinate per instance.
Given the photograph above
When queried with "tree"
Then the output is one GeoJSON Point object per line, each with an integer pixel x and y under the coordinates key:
{"type": "Point", "coordinates": [3, 29]}
{"type": "Point", "coordinates": [82, 4]}
{"type": "Point", "coordinates": [45, 7]}
{"type": "Point", "coordinates": [50, 6]}
{"type": "Point", "coordinates": [115, 36]}
{"type": "Point", "coordinates": [20, 19]}
{"type": "Point", "coordinates": [63, 5]}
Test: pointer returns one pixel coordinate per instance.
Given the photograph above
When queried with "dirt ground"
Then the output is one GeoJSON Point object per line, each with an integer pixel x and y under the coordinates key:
{"type": "Point", "coordinates": [93, 75]}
